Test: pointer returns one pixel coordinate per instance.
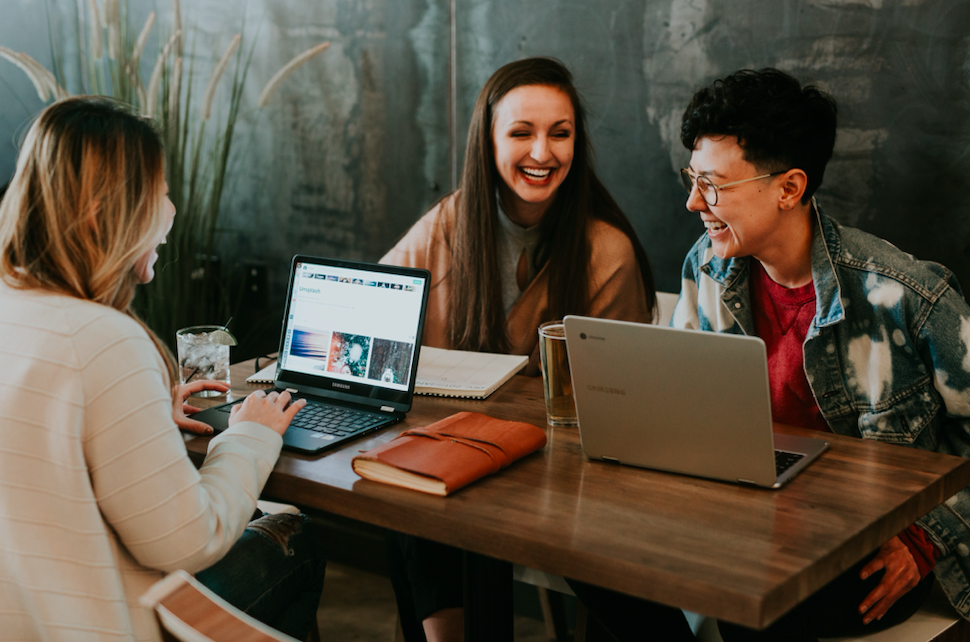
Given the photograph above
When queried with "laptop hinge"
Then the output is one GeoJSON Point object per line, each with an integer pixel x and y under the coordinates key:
{"type": "Point", "coordinates": [387, 409]}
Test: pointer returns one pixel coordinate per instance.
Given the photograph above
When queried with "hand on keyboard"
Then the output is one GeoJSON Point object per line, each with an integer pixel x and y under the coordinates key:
{"type": "Point", "coordinates": [273, 410]}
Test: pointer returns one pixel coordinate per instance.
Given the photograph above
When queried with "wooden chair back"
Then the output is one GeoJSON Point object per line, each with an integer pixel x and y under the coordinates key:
{"type": "Point", "coordinates": [187, 611]}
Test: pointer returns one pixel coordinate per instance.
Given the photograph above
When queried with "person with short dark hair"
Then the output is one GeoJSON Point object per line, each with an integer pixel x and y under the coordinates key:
{"type": "Point", "coordinates": [862, 339]}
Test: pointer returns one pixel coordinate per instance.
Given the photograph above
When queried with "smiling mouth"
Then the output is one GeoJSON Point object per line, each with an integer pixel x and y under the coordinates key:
{"type": "Point", "coordinates": [715, 226]}
{"type": "Point", "coordinates": [536, 175]}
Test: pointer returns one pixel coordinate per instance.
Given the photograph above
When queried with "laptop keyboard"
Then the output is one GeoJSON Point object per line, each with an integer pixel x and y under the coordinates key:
{"type": "Point", "coordinates": [329, 419]}
{"type": "Point", "coordinates": [335, 420]}
{"type": "Point", "coordinates": [784, 461]}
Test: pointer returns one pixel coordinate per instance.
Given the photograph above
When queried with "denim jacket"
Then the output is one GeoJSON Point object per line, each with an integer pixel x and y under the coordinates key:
{"type": "Point", "coordinates": [887, 356]}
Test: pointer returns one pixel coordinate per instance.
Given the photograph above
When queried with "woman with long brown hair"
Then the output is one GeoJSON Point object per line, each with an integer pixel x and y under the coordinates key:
{"type": "Point", "coordinates": [530, 235]}
{"type": "Point", "coordinates": [98, 495]}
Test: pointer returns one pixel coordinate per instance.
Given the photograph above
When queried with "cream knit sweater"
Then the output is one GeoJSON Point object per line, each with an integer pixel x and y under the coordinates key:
{"type": "Point", "coordinates": [97, 496]}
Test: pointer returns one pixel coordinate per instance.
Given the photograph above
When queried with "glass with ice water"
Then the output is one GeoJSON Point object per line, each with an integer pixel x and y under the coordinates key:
{"type": "Point", "coordinates": [203, 353]}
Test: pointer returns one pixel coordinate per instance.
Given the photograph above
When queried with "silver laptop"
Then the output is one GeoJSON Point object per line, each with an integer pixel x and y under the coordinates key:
{"type": "Point", "coordinates": [350, 345]}
{"type": "Point", "coordinates": [683, 401]}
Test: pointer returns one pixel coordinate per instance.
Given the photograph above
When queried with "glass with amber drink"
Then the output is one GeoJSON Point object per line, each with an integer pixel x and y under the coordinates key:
{"type": "Point", "coordinates": [557, 383]}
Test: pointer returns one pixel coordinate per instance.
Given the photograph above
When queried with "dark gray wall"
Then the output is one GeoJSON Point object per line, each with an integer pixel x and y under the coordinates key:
{"type": "Point", "coordinates": [898, 69]}
{"type": "Point", "coordinates": [360, 141]}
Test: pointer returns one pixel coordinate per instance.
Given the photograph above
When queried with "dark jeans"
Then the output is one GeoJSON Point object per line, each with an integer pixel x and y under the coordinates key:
{"type": "Point", "coordinates": [426, 576]}
{"type": "Point", "coordinates": [273, 573]}
{"type": "Point", "coordinates": [831, 612]}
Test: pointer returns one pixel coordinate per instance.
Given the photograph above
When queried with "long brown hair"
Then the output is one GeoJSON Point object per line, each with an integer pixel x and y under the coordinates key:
{"type": "Point", "coordinates": [477, 313]}
{"type": "Point", "coordinates": [84, 205]}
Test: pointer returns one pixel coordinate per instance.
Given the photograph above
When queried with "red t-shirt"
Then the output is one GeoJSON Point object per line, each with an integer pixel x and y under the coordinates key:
{"type": "Point", "coordinates": [782, 317]}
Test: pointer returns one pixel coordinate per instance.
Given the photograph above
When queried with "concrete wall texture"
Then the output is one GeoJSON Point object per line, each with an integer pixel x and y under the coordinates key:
{"type": "Point", "coordinates": [361, 140]}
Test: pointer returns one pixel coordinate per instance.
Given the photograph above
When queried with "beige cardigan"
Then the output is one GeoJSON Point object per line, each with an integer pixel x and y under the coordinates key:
{"type": "Point", "coordinates": [616, 289]}
{"type": "Point", "coordinates": [97, 495]}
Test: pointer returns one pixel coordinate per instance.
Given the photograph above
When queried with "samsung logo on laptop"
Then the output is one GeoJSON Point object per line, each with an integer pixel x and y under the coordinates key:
{"type": "Point", "coordinates": [607, 390]}
{"type": "Point", "coordinates": [340, 385]}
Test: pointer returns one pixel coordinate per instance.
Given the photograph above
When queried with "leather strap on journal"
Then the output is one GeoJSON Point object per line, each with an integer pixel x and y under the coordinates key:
{"type": "Point", "coordinates": [459, 449]}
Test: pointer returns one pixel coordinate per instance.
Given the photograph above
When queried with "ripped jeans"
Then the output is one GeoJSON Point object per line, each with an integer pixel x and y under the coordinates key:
{"type": "Point", "coordinates": [273, 573]}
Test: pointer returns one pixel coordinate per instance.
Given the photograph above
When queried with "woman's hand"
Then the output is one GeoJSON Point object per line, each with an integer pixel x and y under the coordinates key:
{"type": "Point", "coordinates": [900, 577]}
{"type": "Point", "coordinates": [270, 410]}
{"type": "Point", "coordinates": [181, 410]}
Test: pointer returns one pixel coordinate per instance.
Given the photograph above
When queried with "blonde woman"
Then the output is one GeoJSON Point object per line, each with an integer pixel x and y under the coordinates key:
{"type": "Point", "coordinates": [97, 495]}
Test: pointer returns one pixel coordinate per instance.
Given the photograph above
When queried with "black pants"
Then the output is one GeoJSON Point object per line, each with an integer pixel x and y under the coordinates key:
{"type": "Point", "coordinates": [426, 576]}
{"type": "Point", "coordinates": [831, 612]}
{"type": "Point", "coordinates": [834, 611]}
{"type": "Point", "coordinates": [617, 617]}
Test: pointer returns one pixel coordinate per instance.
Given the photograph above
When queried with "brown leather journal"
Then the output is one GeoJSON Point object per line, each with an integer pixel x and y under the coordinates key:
{"type": "Point", "coordinates": [449, 454]}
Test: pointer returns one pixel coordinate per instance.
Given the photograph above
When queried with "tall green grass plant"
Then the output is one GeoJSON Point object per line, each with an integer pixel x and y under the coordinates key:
{"type": "Point", "coordinates": [189, 286]}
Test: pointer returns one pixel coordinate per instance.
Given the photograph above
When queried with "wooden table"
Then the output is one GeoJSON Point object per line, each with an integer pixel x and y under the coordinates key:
{"type": "Point", "coordinates": [741, 554]}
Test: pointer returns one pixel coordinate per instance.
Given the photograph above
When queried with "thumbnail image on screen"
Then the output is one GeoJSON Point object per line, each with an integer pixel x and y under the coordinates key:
{"type": "Point", "coordinates": [310, 345]}
{"type": "Point", "coordinates": [349, 354]}
{"type": "Point", "coordinates": [390, 361]}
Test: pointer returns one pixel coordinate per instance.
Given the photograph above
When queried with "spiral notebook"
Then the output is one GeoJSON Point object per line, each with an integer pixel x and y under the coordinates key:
{"type": "Point", "coordinates": [266, 375]}
{"type": "Point", "coordinates": [460, 373]}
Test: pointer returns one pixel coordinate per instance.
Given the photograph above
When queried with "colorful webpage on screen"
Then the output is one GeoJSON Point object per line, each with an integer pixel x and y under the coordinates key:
{"type": "Point", "coordinates": [351, 324]}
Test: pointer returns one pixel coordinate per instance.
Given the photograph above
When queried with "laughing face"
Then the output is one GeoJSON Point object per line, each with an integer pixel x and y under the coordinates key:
{"type": "Point", "coordinates": [533, 132]}
{"type": "Point", "coordinates": [749, 218]}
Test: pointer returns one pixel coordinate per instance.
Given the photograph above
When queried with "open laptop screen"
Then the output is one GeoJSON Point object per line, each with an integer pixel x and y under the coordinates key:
{"type": "Point", "coordinates": [353, 328]}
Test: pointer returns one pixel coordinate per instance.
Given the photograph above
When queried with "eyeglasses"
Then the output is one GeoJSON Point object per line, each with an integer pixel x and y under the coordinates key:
{"type": "Point", "coordinates": [709, 190]}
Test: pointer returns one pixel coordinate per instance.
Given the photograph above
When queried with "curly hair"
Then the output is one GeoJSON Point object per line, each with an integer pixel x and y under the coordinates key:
{"type": "Point", "coordinates": [779, 124]}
